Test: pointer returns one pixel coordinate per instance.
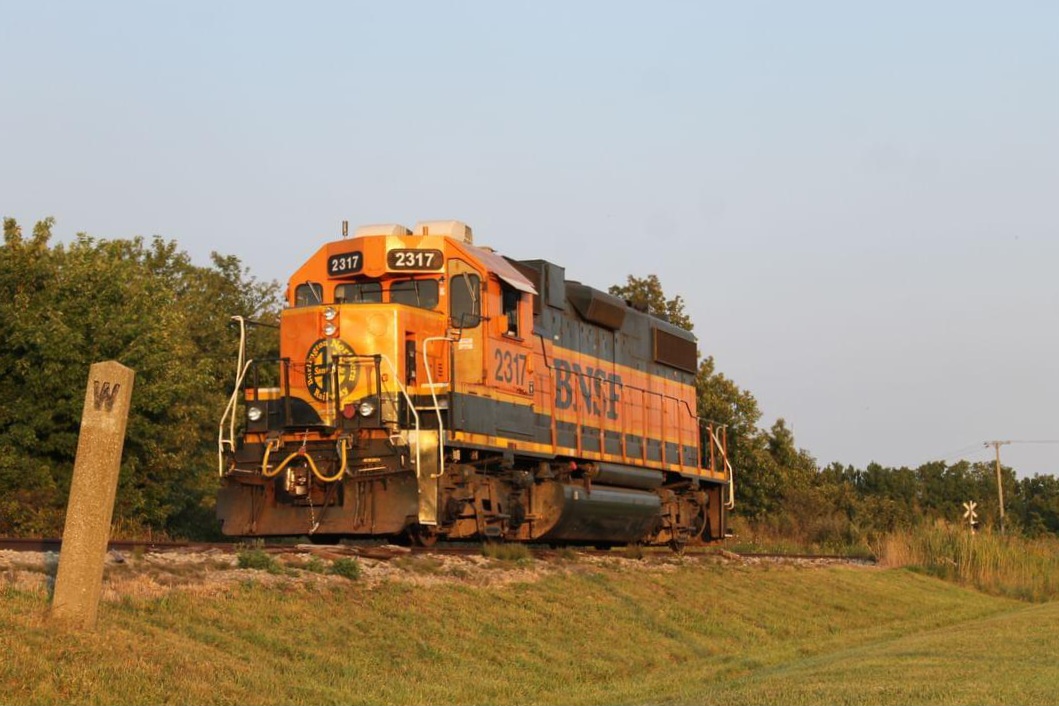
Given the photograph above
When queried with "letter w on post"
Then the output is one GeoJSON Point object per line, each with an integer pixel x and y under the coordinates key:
{"type": "Point", "coordinates": [103, 395]}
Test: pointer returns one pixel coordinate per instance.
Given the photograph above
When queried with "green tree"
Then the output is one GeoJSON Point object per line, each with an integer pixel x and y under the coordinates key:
{"type": "Point", "coordinates": [141, 303]}
{"type": "Point", "coordinates": [1036, 504]}
{"type": "Point", "coordinates": [28, 361]}
{"type": "Point", "coordinates": [796, 465]}
{"type": "Point", "coordinates": [646, 294]}
{"type": "Point", "coordinates": [722, 402]}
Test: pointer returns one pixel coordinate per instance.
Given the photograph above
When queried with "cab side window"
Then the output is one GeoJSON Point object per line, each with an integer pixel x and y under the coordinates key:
{"type": "Point", "coordinates": [465, 300]}
{"type": "Point", "coordinates": [509, 302]}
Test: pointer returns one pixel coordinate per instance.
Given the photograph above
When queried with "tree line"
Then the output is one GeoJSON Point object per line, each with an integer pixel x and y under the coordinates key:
{"type": "Point", "coordinates": [144, 303]}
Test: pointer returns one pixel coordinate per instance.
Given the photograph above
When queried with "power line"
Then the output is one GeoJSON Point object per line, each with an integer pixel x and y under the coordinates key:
{"type": "Point", "coordinates": [978, 447]}
{"type": "Point", "coordinates": [962, 450]}
{"type": "Point", "coordinates": [958, 453]}
{"type": "Point", "coordinates": [1031, 441]}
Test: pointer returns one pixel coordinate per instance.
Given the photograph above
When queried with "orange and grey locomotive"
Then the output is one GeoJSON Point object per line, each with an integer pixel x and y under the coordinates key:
{"type": "Point", "coordinates": [428, 388]}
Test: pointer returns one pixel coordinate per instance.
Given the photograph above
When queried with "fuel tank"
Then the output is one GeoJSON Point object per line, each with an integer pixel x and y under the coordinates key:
{"type": "Point", "coordinates": [580, 513]}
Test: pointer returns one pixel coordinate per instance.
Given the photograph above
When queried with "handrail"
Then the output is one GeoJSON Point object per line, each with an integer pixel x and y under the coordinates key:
{"type": "Point", "coordinates": [333, 370]}
{"type": "Point", "coordinates": [411, 405]}
{"type": "Point", "coordinates": [437, 405]}
{"type": "Point", "coordinates": [400, 388]}
{"type": "Point", "coordinates": [241, 367]}
{"type": "Point", "coordinates": [730, 503]}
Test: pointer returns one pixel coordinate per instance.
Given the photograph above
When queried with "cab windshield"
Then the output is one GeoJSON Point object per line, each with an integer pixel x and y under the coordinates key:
{"type": "Point", "coordinates": [358, 293]}
{"type": "Point", "coordinates": [422, 293]}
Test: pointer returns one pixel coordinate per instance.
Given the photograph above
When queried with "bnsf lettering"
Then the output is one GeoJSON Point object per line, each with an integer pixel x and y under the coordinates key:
{"type": "Point", "coordinates": [600, 390]}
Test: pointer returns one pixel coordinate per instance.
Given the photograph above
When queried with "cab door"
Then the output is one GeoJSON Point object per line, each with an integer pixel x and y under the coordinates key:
{"type": "Point", "coordinates": [463, 291]}
{"type": "Point", "coordinates": [465, 322]}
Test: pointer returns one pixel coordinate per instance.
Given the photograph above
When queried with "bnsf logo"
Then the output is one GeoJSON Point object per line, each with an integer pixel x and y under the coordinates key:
{"type": "Point", "coordinates": [600, 390]}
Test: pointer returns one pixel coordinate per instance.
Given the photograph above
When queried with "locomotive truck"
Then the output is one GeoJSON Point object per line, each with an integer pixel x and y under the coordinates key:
{"type": "Point", "coordinates": [430, 388]}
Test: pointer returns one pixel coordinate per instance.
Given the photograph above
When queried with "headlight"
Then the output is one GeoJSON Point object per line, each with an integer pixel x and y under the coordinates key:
{"type": "Point", "coordinates": [330, 313]}
{"type": "Point", "coordinates": [254, 413]}
{"type": "Point", "coordinates": [366, 408]}
{"type": "Point", "coordinates": [329, 329]}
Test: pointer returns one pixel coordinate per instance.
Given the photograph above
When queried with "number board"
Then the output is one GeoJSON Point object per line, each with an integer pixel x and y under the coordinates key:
{"type": "Point", "coordinates": [345, 264]}
{"type": "Point", "coordinates": [412, 259]}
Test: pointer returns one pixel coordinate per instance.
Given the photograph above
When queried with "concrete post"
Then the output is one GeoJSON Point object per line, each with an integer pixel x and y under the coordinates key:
{"type": "Point", "coordinates": [91, 506]}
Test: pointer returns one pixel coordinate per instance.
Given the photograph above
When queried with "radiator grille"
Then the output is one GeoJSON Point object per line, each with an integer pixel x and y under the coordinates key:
{"type": "Point", "coordinates": [674, 351]}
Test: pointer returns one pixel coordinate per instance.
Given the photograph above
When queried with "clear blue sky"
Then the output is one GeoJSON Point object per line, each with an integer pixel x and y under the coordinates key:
{"type": "Point", "coordinates": [859, 201]}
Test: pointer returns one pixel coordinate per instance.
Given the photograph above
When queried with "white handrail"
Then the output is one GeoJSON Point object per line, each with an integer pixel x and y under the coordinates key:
{"type": "Point", "coordinates": [411, 405]}
{"type": "Point", "coordinates": [437, 406]}
{"type": "Point", "coordinates": [240, 372]}
{"type": "Point", "coordinates": [730, 503]}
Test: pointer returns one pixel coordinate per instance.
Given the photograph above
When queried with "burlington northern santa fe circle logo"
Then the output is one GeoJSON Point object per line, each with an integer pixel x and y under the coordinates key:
{"type": "Point", "coordinates": [318, 362]}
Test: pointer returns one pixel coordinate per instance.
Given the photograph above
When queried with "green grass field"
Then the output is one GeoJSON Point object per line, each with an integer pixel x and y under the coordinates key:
{"type": "Point", "coordinates": [696, 632]}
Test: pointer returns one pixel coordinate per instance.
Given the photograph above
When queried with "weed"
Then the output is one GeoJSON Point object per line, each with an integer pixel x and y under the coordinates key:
{"type": "Point", "coordinates": [1026, 569]}
{"type": "Point", "coordinates": [516, 553]}
{"type": "Point", "coordinates": [258, 559]}
{"type": "Point", "coordinates": [634, 551]}
{"type": "Point", "coordinates": [765, 537]}
{"type": "Point", "coordinates": [217, 564]}
{"type": "Point", "coordinates": [346, 567]}
{"type": "Point", "coordinates": [315, 565]}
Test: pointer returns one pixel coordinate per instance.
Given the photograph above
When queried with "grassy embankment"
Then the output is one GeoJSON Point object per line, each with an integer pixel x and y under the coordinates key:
{"type": "Point", "coordinates": [704, 632]}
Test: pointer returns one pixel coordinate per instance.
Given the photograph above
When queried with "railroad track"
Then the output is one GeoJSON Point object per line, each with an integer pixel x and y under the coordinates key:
{"type": "Point", "coordinates": [377, 550]}
{"type": "Point", "coordinates": [37, 544]}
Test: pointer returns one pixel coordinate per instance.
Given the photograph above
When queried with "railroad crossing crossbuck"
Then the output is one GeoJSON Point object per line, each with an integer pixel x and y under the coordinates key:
{"type": "Point", "coordinates": [970, 515]}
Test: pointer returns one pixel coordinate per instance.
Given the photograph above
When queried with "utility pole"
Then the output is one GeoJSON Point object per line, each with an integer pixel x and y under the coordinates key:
{"type": "Point", "coordinates": [999, 486]}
